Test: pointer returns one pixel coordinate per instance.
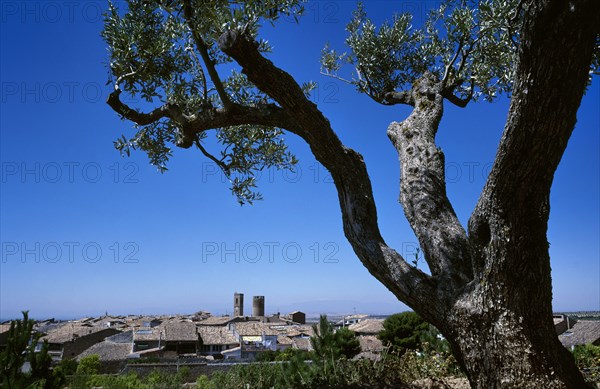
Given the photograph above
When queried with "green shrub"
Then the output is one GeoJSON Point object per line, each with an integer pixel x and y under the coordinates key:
{"type": "Point", "coordinates": [89, 365]}
{"type": "Point", "coordinates": [346, 343]}
{"type": "Point", "coordinates": [154, 380]}
{"type": "Point", "coordinates": [299, 374]}
{"type": "Point", "coordinates": [329, 344]}
{"type": "Point", "coordinates": [203, 382]}
{"type": "Point", "coordinates": [403, 331]}
{"type": "Point", "coordinates": [293, 353]}
{"type": "Point", "coordinates": [67, 366]}
{"type": "Point", "coordinates": [268, 356]}
{"type": "Point", "coordinates": [587, 358]}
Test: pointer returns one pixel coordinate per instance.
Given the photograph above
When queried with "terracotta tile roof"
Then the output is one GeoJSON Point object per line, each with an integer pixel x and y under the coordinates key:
{"type": "Point", "coordinates": [147, 333]}
{"type": "Point", "coordinates": [293, 330]}
{"type": "Point", "coordinates": [122, 337]}
{"type": "Point", "coordinates": [105, 321]}
{"type": "Point", "coordinates": [306, 329]}
{"type": "Point", "coordinates": [84, 320]}
{"type": "Point", "coordinates": [302, 344]}
{"type": "Point", "coordinates": [253, 329]}
{"type": "Point", "coordinates": [216, 335]}
{"type": "Point", "coordinates": [4, 328]}
{"type": "Point", "coordinates": [359, 316]}
{"type": "Point", "coordinates": [143, 321]}
{"type": "Point", "coordinates": [583, 332]}
{"type": "Point", "coordinates": [180, 331]}
{"type": "Point", "coordinates": [69, 332]}
{"type": "Point", "coordinates": [46, 328]}
{"type": "Point", "coordinates": [108, 351]}
{"type": "Point", "coordinates": [215, 321]}
{"type": "Point", "coordinates": [367, 326]}
{"type": "Point", "coordinates": [281, 339]}
{"type": "Point", "coordinates": [557, 320]}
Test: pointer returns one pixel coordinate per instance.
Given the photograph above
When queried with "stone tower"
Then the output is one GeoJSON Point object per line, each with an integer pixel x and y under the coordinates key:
{"type": "Point", "coordinates": [238, 304]}
{"type": "Point", "coordinates": [258, 306]}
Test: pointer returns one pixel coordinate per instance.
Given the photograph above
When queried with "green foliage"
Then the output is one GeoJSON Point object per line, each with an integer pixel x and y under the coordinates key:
{"type": "Point", "coordinates": [389, 372]}
{"type": "Point", "coordinates": [424, 352]}
{"type": "Point", "coordinates": [322, 340]}
{"type": "Point", "coordinates": [155, 379]}
{"type": "Point", "coordinates": [293, 354]}
{"type": "Point", "coordinates": [403, 331]}
{"type": "Point", "coordinates": [587, 358]}
{"type": "Point", "coordinates": [419, 365]}
{"type": "Point", "coordinates": [203, 382]}
{"type": "Point", "coordinates": [432, 341]}
{"type": "Point", "coordinates": [299, 375]}
{"type": "Point", "coordinates": [129, 381]}
{"type": "Point", "coordinates": [20, 349]}
{"type": "Point", "coordinates": [333, 345]}
{"type": "Point", "coordinates": [155, 55]}
{"type": "Point", "coordinates": [67, 366]}
{"type": "Point", "coordinates": [40, 367]}
{"type": "Point", "coordinates": [267, 356]}
{"type": "Point", "coordinates": [60, 372]}
{"type": "Point", "coordinates": [89, 365]}
{"type": "Point", "coordinates": [472, 45]}
{"type": "Point", "coordinates": [159, 54]}
{"type": "Point", "coordinates": [288, 354]}
{"type": "Point", "coordinates": [346, 343]}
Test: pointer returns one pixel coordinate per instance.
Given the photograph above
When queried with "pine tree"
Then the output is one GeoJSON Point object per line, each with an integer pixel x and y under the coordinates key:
{"type": "Point", "coordinates": [20, 348]}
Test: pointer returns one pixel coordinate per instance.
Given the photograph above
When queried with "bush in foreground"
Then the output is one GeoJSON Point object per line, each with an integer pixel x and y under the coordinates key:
{"type": "Point", "coordinates": [587, 358]}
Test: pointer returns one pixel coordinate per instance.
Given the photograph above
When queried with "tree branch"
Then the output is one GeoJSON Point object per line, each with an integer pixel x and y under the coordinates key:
{"type": "Point", "coordinates": [423, 186]}
{"type": "Point", "coordinates": [465, 55]}
{"type": "Point", "coordinates": [168, 110]}
{"type": "Point", "coordinates": [188, 13]}
{"type": "Point", "coordinates": [349, 173]}
{"type": "Point", "coordinates": [268, 115]}
{"type": "Point", "coordinates": [451, 64]}
{"type": "Point", "coordinates": [448, 93]}
{"type": "Point", "coordinates": [336, 77]}
{"type": "Point", "coordinates": [404, 97]}
{"type": "Point", "coordinates": [264, 115]}
{"type": "Point", "coordinates": [371, 92]}
{"type": "Point", "coordinates": [208, 155]}
{"type": "Point", "coordinates": [201, 72]}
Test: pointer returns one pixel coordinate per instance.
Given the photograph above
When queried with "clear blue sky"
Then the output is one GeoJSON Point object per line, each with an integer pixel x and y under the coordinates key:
{"type": "Point", "coordinates": [85, 231]}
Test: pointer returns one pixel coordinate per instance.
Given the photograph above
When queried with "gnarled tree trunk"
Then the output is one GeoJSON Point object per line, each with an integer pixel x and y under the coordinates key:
{"type": "Point", "coordinates": [500, 321]}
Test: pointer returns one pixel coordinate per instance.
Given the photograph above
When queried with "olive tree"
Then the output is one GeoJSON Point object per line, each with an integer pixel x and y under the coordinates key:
{"type": "Point", "coordinates": [484, 276]}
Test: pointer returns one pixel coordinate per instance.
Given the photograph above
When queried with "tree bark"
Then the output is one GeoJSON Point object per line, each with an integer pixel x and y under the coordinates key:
{"type": "Point", "coordinates": [499, 323]}
{"type": "Point", "coordinates": [501, 333]}
{"type": "Point", "coordinates": [502, 324]}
